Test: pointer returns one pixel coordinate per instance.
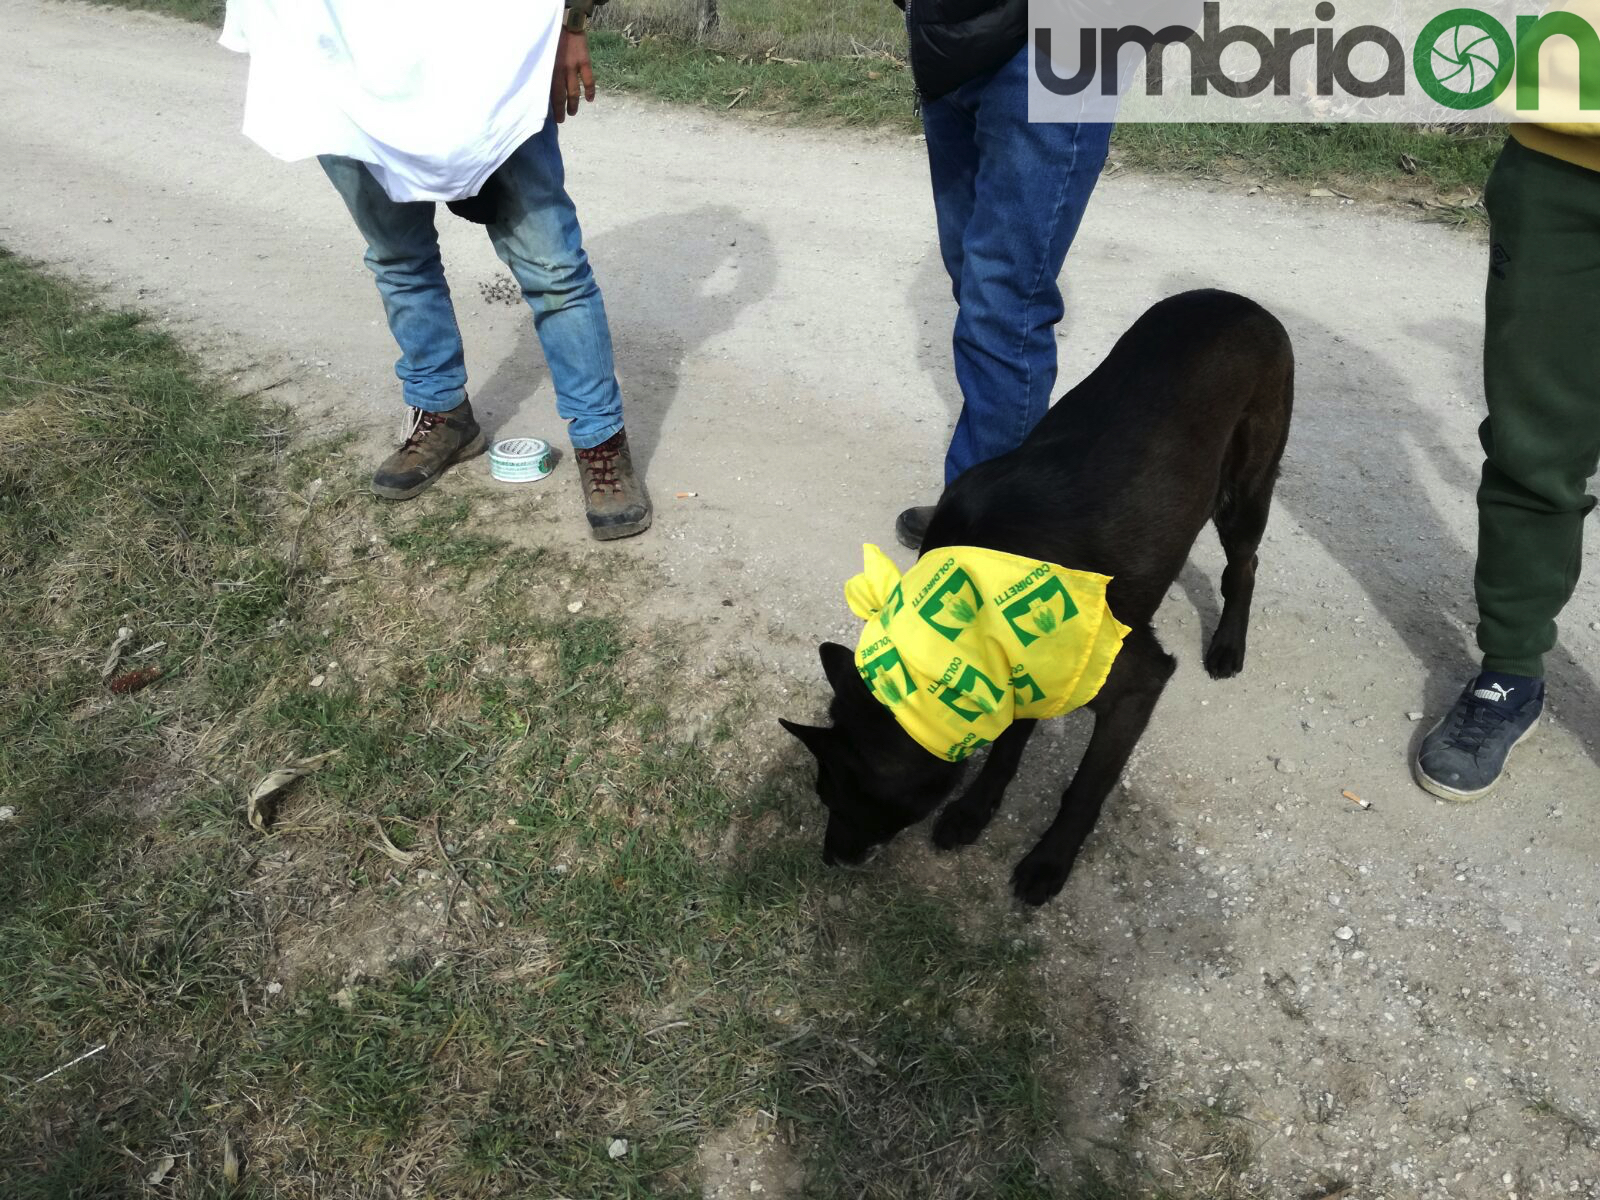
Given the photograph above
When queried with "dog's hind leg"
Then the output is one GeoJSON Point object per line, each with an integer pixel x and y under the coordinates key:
{"type": "Point", "coordinates": [1240, 521]}
{"type": "Point", "coordinates": [1249, 472]}
{"type": "Point", "coordinates": [963, 820]}
{"type": "Point", "coordinates": [1121, 712]}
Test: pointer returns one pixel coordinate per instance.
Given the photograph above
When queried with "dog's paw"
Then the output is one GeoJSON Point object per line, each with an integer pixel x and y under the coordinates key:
{"type": "Point", "coordinates": [959, 825]}
{"type": "Point", "coordinates": [1224, 660]}
{"type": "Point", "coordinates": [1039, 877]}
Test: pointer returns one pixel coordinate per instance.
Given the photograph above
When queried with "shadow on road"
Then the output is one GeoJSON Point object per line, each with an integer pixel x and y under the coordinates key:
{"type": "Point", "coordinates": [671, 283]}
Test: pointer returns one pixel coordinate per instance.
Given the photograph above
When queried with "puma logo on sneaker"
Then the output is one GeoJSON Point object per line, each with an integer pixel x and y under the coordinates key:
{"type": "Point", "coordinates": [1465, 754]}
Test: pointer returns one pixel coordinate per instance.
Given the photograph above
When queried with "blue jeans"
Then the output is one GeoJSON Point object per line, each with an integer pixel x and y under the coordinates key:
{"type": "Point", "coordinates": [1008, 196]}
{"type": "Point", "coordinates": [537, 236]}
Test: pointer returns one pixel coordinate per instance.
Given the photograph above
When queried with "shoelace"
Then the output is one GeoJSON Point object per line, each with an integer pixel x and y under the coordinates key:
{"type": "Point", "coordinates": [418, 424]}
{"type": "Point", "coordinates": [1477, 721]}
{"type": "Point", "coordinates": [602, 463]}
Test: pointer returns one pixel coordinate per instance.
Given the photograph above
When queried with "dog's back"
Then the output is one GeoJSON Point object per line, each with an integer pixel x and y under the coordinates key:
{"type": "Point", "coordinates": [1188, 411]}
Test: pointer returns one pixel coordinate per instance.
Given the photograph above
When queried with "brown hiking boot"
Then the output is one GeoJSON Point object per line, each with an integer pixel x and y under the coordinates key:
{"type": "Point", "coordinates": [613, 496]}
{"type": "Point", "coordinates": [433, 442]}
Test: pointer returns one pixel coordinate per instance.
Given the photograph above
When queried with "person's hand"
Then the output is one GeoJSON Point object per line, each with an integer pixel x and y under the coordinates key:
{"type": "Point", "coordinates": [574, 77]}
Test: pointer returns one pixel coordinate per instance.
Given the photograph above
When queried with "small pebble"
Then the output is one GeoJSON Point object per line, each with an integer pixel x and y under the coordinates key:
{"type": "Point", "coordinates": [1344, 933]}
{"type": "Point", "coordinates": [1287, 766]}
{"type": "Point", "coordinates": [1413, 716]}
{"type": "Point", "coordinates": [318, 680]}
{"type": "Point", "coordinates": [575, 607]}
{"type": "Point", "coordinates": [618, 1147]}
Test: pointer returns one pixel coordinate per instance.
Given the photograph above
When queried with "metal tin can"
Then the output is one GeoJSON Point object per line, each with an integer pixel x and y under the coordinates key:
{"type": "Point", "coordinates": [519, 460]}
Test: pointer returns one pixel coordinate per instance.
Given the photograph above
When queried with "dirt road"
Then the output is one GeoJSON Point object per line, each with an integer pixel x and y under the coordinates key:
{"type": "Point", "coordinates": [1402, 999]}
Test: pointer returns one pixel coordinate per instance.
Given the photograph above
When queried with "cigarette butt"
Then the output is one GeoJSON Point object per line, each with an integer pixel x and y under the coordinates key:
{"type": "Point", "coordinates": [687, 495]}
{"type": "Point", "coordinates": [1355, 799]}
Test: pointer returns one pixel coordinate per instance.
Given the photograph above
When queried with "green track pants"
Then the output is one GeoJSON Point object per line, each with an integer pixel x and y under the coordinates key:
{"type": "Point", "coordinates": [1541, 374]}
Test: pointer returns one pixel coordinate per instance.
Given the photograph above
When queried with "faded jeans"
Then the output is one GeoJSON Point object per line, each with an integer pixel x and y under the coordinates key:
{"type": "Point", "coordinates": [537, 236]}
{"type": "Point", "coordinates": [1008, 196]}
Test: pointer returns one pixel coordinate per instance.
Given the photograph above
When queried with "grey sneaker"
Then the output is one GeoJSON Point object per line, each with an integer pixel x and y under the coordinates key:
{"type": "Point", "coordinates": [911, 526]}
{"type": "Point", "coordinates": [613, 496]}
{"type": "Point", "coordinates": [433, 443]}
{"type": "Point", "coordinates": [1464, 755]}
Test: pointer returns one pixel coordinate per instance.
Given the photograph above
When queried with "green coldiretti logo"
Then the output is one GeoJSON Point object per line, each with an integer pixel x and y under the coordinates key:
{"type": "Point", "coordinates": [891, 606]}
{"type": "Point", "coordinates": [952, 606]}
{"type": "Point", "coordinates": [977, 689]}
{"type": "Point", "coordinates": [888, 675]}
{"type": "Point", "coordinates": [1022, 682]}
{"type": "Point", "coordinates": [1041, 612]}
{"type": "Point", "coordinates": [963, 748]}
{"type": "Point", "coordinates": [1464, 58]}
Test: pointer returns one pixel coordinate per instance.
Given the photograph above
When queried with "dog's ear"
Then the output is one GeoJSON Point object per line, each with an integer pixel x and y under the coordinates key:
{"type": "Point", "coordinates": [813, 737]}
{"type": "Point", "coordinates": [839, 665]}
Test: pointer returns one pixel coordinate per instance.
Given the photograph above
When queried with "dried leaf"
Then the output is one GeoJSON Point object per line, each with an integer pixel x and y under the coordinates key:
{"type": "Point", "coordinates": [404, 857]}
{"type": "Point", "coordinates": [161, 1170]}
{"type": "Point", "coordinates": [114, 653]}
{"type": "Point", "coordinates": [261, 807]}
{"type": "Point", "coordinates": [230, 1162]}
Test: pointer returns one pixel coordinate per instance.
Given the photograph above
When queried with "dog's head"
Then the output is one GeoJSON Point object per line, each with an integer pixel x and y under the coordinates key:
{"type": "Point", "coordinates": [872, 777]}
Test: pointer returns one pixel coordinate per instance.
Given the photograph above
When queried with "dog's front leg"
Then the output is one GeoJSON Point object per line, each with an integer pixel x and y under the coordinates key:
{"type": "Point", "coordinates": [963, 820]}
{"type": "Point", "coordinates": [1121, 712]}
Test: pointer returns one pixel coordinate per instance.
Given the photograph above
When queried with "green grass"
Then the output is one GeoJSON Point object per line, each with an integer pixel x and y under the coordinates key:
{"type": "Point", "coordinates": [1389, 160]}
{"type": "Point", "coordinates": [800, 28]}
{"type": "Point", "coordinates": [866, 91]}
{"type": "Point", "coordinates": [585, 925]}
{"type": "Point", "coordinates": [207, 11]}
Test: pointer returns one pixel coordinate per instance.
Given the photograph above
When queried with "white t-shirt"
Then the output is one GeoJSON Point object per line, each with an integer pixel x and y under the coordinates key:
{"type": "Point", "coordinates": [433, 97]}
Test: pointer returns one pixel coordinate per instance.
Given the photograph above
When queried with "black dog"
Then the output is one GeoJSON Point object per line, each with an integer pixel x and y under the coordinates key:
{"type": "Point", "coordinates": [1184, 422]}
